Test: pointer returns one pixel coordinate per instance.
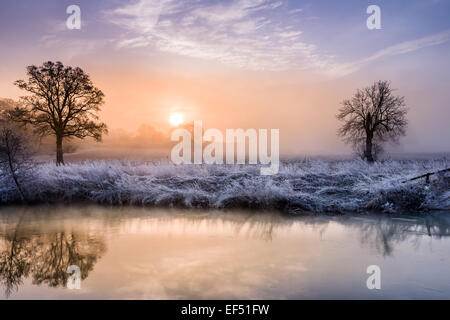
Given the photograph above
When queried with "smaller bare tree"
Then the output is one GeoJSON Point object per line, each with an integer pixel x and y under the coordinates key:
{"type": "Point", "coordinates": [373, 116]}
{"type": "Point", "coordinates": [15, 156]}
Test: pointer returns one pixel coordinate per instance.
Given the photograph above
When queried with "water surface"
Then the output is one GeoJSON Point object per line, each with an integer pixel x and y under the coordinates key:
{"type": "Point", "coordinates": [126, 253]}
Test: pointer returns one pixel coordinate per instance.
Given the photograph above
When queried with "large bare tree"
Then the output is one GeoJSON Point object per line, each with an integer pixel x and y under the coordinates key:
{"type": "Point", "coordinates": [63, 102]}
{"type": "Point", "coordinates": [374, 115]}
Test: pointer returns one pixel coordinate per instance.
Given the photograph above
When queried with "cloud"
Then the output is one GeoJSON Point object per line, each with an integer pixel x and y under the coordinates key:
{"type": "Point", "coordinates": [70, 48]}
{"type": "Point", "coordinates": [398, 49]}
{"type": "Point", "coordinates": [294, 11]}
{"type": "Point", "coordinates": [413, 45]}
{"type": "Point", "coordinates": [251, 34]}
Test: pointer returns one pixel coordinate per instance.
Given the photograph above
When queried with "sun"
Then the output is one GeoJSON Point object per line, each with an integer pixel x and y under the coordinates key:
{"type": "Point", "coordinates": [176, 119]}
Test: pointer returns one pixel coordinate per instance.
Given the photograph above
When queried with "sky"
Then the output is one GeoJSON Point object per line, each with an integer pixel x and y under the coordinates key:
{"type": "Point", "coordinates": [263, 64]}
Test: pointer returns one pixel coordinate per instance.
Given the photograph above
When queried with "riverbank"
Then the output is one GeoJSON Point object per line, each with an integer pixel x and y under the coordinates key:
{"type": "Point", "coordinates": [316, 186]}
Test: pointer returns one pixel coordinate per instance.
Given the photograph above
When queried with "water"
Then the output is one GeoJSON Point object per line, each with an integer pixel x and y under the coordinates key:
{"type": "Point", "coordinates": [178, 254]}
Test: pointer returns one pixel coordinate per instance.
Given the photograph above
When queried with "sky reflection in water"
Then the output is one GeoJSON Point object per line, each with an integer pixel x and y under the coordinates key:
{"type": "Point", "coordinates": [171, 254]}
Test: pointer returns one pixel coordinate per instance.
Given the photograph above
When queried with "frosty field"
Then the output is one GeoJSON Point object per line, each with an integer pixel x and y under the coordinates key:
{"type": "Point", "coordinates": [301, 186]}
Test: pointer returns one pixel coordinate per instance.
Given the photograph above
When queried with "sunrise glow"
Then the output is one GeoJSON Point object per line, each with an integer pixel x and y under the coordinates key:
{"type": "Point", "coordinates": [176, 119]}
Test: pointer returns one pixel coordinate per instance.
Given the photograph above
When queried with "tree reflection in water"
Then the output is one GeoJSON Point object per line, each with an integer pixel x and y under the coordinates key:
{"type": "Point", "coordinates": [27, 250]}
{"type": "Point", "coordinates": [44, 257]}
{"type": "Point", "coordinates": [15, 262]}
{"type": "Point", "coordinates": [384, 232]}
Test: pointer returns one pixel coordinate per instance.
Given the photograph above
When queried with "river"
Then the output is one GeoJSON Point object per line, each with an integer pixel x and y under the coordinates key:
{"type": "Point", "coordinates": [137, 253]}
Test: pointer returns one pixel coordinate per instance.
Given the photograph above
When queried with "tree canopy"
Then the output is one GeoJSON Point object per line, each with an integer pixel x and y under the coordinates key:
{"type": "Point", "coordinates": [63, 102]}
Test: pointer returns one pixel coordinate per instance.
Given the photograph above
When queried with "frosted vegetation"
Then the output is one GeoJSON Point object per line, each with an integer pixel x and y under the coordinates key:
{"type": "Point", "coordinates": [300, 186]}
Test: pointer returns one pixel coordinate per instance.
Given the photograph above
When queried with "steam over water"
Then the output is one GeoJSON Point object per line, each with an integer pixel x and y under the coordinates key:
{"type": "Point", "coordinates": [310, 185]}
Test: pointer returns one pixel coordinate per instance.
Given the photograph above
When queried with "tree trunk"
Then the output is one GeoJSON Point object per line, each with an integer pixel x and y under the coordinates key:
{"type": "Point", "coordinates": [368, 152]}
{"type": "Point", "coordinates": [16, 180]}
{"type": "Point", "coordinates": [59, 151]}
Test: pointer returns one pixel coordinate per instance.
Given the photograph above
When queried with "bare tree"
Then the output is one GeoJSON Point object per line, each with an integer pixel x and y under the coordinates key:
{"type": "Point", "coordinates": [373, 116]}
{"type": "Point", "coordinates": [64, 102]}
{"type": "Point", "coordinates": [15, 155]}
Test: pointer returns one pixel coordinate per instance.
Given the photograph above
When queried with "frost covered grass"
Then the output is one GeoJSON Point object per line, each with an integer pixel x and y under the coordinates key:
{"type": "Point", "coordinates": [310, 185]}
